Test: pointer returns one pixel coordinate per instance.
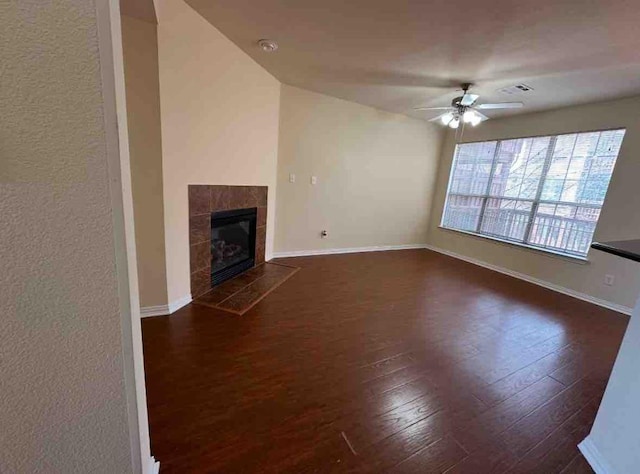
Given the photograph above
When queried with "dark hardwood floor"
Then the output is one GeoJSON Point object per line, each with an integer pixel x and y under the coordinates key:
{"type": "Point", "coordinates": [389, 362]}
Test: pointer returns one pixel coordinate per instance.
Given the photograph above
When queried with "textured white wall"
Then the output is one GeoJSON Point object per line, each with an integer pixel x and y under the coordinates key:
{"type": "Point", "coordinates": [62, 400]}
{"type": "Point", "coordinates": [615, 436]}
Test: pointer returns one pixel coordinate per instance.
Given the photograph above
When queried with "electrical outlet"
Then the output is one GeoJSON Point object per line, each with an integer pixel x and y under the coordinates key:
{"type": "Point", "coordinates": [292, 178]}
{"type": "Point", "coordinates": [314, 180]}
{"type": "Point", "coordinates": [609, 280]}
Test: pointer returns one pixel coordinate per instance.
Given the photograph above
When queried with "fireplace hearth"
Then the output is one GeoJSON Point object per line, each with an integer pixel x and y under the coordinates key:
{"type": "Point", "coordinates": [233, 243]}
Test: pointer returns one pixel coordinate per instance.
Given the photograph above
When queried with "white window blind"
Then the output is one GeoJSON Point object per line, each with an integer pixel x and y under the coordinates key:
{"type": "Point", "coordinates": [542, 192]}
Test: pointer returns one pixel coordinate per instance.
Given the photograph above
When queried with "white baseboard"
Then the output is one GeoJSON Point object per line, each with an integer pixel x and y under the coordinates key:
{"type": "Point", "coordinates": [593, 456]}
{"type": "Point", "coordinates": [376, 248]}
{"type": "Point", "coordinates": [521, 276]}
{"type": "Point", "coordinates": [148, 311]}
{"type": "Point", "coordinates": [175, 305]}
{"type": "Point", "coordinates": [165, 309]}
{"type": "Point", "coordinates": [153, 466]}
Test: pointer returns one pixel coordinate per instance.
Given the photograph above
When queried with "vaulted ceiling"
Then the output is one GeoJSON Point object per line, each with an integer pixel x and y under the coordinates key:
{"type": "Point", "coordinates": [395, 55]}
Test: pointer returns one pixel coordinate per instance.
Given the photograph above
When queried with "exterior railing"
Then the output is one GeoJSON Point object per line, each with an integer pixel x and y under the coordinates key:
{"type": "Point", "coordinates": [570, 235]}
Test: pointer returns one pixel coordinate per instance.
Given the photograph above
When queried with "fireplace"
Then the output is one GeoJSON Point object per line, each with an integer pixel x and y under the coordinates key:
{"type": "Point", "coordinates": [208, 202]}
{"type": "Point", "coordinates": [233, 243]}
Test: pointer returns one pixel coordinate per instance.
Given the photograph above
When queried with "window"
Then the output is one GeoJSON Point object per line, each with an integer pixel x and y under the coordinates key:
{"type": "Point", "coordinates": [542, 192]}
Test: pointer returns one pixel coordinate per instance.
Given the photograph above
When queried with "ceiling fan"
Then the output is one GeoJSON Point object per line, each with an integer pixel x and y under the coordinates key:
{"type": "Point", "coordinates": [464, 109]}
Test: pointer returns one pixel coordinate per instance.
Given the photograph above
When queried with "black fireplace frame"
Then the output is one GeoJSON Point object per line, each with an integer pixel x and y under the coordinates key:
{"type": "Point", "coordinates": [231, 217]}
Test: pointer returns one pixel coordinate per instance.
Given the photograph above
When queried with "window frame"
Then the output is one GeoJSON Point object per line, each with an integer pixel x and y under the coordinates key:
{"type": "Point", "coordinates": [535, 202]}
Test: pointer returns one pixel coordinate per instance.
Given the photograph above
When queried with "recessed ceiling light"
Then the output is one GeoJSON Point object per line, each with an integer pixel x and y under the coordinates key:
{"type": "Point", "coordinates": [267, 45]}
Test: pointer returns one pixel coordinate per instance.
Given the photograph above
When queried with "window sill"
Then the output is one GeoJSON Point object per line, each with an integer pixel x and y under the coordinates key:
{"type": "Point", "coordinates": [530, 248]}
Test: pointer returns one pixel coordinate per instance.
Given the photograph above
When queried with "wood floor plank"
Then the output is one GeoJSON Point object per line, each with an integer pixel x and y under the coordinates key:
{"type": "Point", "coordinates": [367, 429]}
{"type": "Point", "coordinates": [382, 456]}
{"type": "Point", "coordinates": [387, 366]}
{"type": "Point", "coordinates": [520, 359]}
{"type": "Point", "coordinates": [423, 362]}
{"type": "Point", "coordinates": [572, 372]}
{"type": "Point", "coordinates": [433, 459]}
{"type": "Point", "coordinates": [493, 422]}
{"type": "Point", "coordinates": [536, 426]}
{"type": "Point", "coordinates": [557, 451]}
{"type": "Point", "coordinates": [527, 376]}
{"type": "Point", "coordinates": [578, 465]}
{"type": "Point", "coordinates": [492, 458]}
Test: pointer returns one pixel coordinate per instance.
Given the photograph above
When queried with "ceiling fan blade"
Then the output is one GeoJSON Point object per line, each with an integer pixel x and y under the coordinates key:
{"type": "Point", "coordinates": [482, 116]}
{"type": "Point", "coordinates": [437, 119]}
{"type": "Point", "coordinates": [431, 108]}
{"type": "Point", "coordinates": [468, 99]}
{"type": "Point", "coordinates": [501, 105]}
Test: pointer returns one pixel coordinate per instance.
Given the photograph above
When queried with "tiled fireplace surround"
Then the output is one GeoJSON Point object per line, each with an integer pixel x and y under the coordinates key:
{"type": "Point", "coordinates": [205, 199]}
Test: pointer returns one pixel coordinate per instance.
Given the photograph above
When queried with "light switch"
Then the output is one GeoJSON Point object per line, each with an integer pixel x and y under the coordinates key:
{"type": "Point", "coordinates": [292, 178]}
{"type": "Point", "coordinates": [314, 180]}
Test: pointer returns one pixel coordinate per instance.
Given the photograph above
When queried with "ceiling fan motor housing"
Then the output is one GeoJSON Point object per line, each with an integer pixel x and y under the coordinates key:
{"type": "Point", "coordinates": [457, 102]}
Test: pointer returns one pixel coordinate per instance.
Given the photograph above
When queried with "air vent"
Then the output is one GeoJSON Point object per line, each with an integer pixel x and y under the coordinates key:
{"type": "Point", "coordinates": [515, 90]}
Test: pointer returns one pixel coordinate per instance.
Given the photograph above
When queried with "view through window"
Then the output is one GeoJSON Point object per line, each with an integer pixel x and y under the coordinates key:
{"type": "Point", "coordinates": [543, 192]}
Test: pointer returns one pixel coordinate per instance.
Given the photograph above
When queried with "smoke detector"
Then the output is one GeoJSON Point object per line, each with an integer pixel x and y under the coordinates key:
{"type": "Point", "coordinates": [267, 45]}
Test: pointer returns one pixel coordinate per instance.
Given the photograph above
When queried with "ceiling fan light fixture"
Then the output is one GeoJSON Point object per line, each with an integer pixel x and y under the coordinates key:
{"type": "Point", "coordinates": [469, 116]}
{"type": "Point", "coordinates": [454, 123]}
{"type": "Point", "coordinates": [446, 118]}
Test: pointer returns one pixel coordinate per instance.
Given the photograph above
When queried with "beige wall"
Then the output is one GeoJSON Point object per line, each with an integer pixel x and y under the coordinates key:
{"type": "Point", "coordinates": [140, 47]}
{"type": "Point", "coordinates": [219, 124]}
{"type": "Point", "coordinates": [63, 406]}
{"type": "Point", "coordinates": [619, 220]}
{"type": "Point", "coordinates": [375, 171]}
